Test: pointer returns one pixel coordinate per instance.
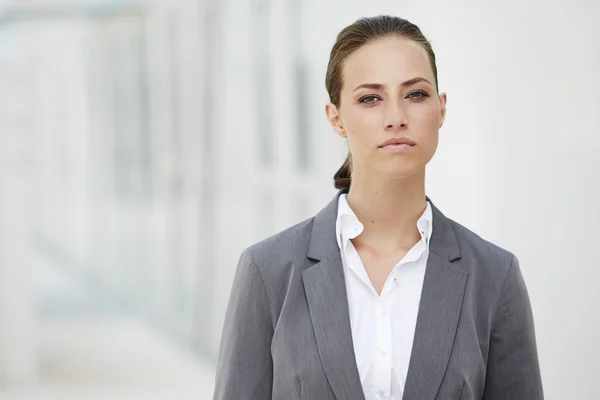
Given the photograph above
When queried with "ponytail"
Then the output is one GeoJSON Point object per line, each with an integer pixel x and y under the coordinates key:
{"type": "Point", "coordinates": [343, 177]}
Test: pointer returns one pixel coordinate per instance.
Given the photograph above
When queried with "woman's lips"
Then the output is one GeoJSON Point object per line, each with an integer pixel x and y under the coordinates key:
{"type": "Point", "coordinates": [397, 147]}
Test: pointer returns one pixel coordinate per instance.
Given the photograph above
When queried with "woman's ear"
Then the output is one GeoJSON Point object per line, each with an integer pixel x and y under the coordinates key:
{"type": "Point", "coordinates": [335, 120]}
{"type": "Point", "coordinates": [443, 100]}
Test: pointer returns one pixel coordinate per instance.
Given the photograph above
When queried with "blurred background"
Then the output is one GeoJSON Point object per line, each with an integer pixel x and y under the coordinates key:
{"type": "Point", "coordinates": [144, 144]}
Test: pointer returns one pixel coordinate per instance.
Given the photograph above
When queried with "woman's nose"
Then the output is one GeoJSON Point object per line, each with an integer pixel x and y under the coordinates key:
{"type": "Point", "coordinates": [395, 116]}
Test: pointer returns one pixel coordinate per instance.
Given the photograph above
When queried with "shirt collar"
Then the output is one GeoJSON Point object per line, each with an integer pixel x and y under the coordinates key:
{"type": "Point", "coordinates": [348, 226]}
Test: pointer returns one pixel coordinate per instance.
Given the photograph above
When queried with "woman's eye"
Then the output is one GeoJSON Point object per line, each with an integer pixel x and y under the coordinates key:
{"type": "Point", "coordinates": [418, 95]}
{"type": "Point", "coordinates": [368, 99]}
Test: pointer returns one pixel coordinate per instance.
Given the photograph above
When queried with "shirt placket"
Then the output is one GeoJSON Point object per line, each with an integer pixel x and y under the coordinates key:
{"type": "Point", "coordinates": [382, 371]}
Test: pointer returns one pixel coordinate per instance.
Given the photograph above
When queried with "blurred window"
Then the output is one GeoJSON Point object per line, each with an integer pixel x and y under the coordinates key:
{"type": "Point", "coordinates": [263, 84]}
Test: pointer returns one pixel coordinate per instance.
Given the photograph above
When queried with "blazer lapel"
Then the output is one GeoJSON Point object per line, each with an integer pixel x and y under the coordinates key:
{"type": "Point", "coordinates": [441, 302]}
{"type": "Point", "coordinates": [328, 306]}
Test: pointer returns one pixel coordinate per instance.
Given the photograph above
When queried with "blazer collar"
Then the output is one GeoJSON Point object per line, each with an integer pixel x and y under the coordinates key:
{"type": "Point", "coordinates": [323, 239]}
{"type": "Point", "coordinates": [441, 300]}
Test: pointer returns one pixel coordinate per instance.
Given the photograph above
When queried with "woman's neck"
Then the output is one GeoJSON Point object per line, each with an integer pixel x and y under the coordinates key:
{"type": "Point", "coordinates": [388, 209]}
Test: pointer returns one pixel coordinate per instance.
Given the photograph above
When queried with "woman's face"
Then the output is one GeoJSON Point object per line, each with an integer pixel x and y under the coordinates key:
{"type": "Point", "coordinates": [389, 93]}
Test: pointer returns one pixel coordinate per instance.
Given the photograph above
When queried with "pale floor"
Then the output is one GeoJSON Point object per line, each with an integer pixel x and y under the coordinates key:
{"type": "Point", "coordinates": [112, 358]}
{"type": "Point", "coordinates": [99, 356]}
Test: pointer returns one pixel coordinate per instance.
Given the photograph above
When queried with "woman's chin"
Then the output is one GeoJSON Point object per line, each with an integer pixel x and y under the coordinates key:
{"type": "Point", "coordinates": [402, 172]}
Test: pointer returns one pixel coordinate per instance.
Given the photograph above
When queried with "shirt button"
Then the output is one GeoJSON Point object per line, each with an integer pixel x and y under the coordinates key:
{"type": "Point", "coordinates": [381, 393]}
{"type": "Point", "coordinates": [383, 352]}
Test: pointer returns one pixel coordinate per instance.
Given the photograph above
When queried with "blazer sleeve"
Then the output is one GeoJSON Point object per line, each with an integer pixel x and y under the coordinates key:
{"type": "Point", "coordinates": [245, 367]}
{"type": "Point", "coordinates": [513, 370]}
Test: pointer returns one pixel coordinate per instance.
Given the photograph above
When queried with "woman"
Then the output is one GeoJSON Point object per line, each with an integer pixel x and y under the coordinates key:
{"type": "Point", "coordinates": [379, 296]}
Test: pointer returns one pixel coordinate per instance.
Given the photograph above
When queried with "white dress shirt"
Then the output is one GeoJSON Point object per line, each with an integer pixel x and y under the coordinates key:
{"type": "Point", "coordinates": [383, 327]}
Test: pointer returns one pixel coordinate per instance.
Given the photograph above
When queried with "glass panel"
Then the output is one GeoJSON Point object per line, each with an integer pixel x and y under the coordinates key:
{"type": "Point", "coordinates": [263, 84]}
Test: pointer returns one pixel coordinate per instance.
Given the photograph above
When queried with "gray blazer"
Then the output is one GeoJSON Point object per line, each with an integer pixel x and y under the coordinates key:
{"type": "Point", "coordinates": [287, 332]}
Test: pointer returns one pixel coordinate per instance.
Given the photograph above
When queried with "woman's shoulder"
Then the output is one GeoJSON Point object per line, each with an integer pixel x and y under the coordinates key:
{"type": "Point", "coordinates": [472, 241]}
{"type": "Point", "coordinates": [481, 256]}
{"type": "Point", "coordinates": [282, 246]}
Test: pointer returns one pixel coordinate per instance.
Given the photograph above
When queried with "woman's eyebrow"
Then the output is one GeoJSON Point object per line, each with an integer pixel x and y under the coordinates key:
{"type": "Point", "coordinates": [373, 86]}
{"type": "Point", "coordinates": [412, 81]}
{"type": "Point", "coordinates": [379, 86]}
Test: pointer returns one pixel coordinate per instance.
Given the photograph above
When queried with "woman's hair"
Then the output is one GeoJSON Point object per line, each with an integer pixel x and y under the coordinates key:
{"type": "Point", "coordinates": [352, 38]}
